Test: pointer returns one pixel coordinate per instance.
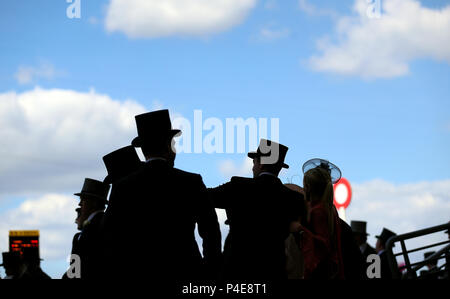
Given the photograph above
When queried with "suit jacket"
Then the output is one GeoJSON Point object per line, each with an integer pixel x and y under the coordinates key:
{"type": "Point", "coordinates": [259, 213]}
{"type": "Point", "coordinates": [75, 250]}
{"type": "Point", "coordinates": [150, 223]}
{"type": "Point", "coordinates": [354, 262]}
{"type": "Point", "coordinates": [88, 247]}
{"type": "Point", "coordinates": [368, 251]}
{"type": "Point", "coordinates": [386, 272]}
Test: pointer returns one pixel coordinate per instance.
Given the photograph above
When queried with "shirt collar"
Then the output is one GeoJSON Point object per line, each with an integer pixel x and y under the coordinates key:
{"type": "Point", "coordinates": [267, 173]}
{"type": "Point", "coordinates": [155, 158]}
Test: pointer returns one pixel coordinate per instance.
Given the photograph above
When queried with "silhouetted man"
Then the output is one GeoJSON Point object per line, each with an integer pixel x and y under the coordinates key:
{"type": "Point", "coordinates": [156, 210]}
{"type": "Point", "coordinates": [260, 211]}
{"type": "Point", "coordinates": [386, 272]}
{"type": "Point", "coordinates": [360, 234]}
{"type": "Point", "coordinates": [93, 199]}
{"type": "Point", "coordinates": [32, 262]}
{"type": "Point", "coordinates": [13, 264]}
{"type": "Point", "coordinates": [75, 240]}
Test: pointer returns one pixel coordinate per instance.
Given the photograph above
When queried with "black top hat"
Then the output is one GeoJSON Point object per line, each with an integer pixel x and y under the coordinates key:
{"type": "Point", "coordinates": [121, 163]}
{"type": "Point", "coordinates": [153, 126]}
{"type": "Point", "coordinates": [31, 254]}
{"type": "Point", "coordinates": [265, 149]}
{"type": "Point", "coordinates": [359, 227]}
{"type": "Point", "coordinates": [385, 235]}
{"type": "Point", "coordinates": [10, 258]}
{"type": "Point", "coordinates": [332, 169]}
{"type": "Point", "coordinates": [94, 189]}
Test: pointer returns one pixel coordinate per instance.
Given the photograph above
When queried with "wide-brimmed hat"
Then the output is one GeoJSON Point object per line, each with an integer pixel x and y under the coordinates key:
{"type": "Point", "coordinates": [359, 227]}
{"type": "Point", "coordinates": [333, 170]}
{"type": "Point", "coordinates": [385, 235]}
{"type": "Point", "coordinates": [272, 149]}
{"type": "Point", "coordinates": [153, 126]}
{"type": "Point", "coordinates": [121, 163]}
{"type": "Point", "coordinates": [94, 189]}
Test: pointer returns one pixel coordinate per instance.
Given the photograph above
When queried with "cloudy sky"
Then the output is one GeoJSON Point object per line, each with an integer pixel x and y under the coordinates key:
{"type": "Point", "coordinates": [366, 88]}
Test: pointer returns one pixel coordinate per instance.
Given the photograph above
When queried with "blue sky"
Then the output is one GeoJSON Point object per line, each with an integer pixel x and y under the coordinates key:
{"type": "Point", "coordinates": [378, 121]}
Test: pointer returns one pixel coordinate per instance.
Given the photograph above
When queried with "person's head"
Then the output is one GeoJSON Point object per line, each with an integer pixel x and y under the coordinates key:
{"type": "Point", "coordinates": [93, 197]}
{"type": "Point", "coordinates": [359, 231]}
{"type": "Point", "coordinates": [120, 163]}
{"type": "Point", "coordinates": [78, 219]}
{"type": "Point", "coordinates": [259, 168]}
{"type": "Point", "coordinates": [155, 135]}
{"type": "Point", "coordinates": [12, 262]}
{"type": "Point", "coordinates": [382, 239]}
{"type": "Point", "coordinates": [269, 157]}
{"type": "Point", "coordinates": [318, 188]}
{"type": "Point", "coordinates": [164, 148]}
{"type": "Point", "coordinates": [88, 205]}
{"type": "Point", "coordinates": [31, 257]}
{"type": "Point", "coordinates": [360, 238]}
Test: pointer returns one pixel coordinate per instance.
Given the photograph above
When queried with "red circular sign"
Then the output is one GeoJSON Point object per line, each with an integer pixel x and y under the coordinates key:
{"type": "Point", "coordinates": [342, 193]}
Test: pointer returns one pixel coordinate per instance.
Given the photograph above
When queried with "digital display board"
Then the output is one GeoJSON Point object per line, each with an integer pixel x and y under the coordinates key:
{"type": "Point", "coordinates": [19, 239]}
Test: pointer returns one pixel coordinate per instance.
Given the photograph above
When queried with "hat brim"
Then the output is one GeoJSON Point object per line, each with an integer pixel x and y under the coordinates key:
{"type": "Point", "coordinates": [253, 155]}
{"type": "Point", "coordinates": [138, 141]}
{"type": "Point", "coordinates": [92, 195]}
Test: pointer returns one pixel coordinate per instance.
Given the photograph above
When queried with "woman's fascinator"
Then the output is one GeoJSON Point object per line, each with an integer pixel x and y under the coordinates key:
{"type": "Point", "coordinates": [332, 169]}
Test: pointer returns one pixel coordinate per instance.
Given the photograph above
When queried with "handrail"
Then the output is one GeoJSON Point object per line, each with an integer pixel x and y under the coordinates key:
{"type": "Point", "coordinates": [401, 238]}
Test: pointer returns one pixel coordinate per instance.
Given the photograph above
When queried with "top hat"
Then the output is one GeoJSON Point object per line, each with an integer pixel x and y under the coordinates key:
{"type": "Point", "coordinates": [121, 163]}
{"type": "Point", "coordinates": [359, 227]}
{"type": "Point", "coordinates": [153, 126]}
{"type": "Point", "coordinates": [94, 189]}
{"type": "Point", "coordinates": [385, 235]}
{"type": "Point", "coordinates": [31, 254]}
{"type": "Point", "coordinates": [333, 170]}
{"type": "Point", "coordinates": [10, 258]}
{"type": "Point", "coordinates": [265, 149]}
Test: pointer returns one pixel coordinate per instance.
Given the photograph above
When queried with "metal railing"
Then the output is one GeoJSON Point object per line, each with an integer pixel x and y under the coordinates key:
{"type": "Point", "coordinates": [411, 269]}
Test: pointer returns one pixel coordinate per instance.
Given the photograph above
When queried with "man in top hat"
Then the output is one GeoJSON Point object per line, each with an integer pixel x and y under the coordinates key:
{"type": "Point", "coordinates": [360, 234]}
{"type": "Point", "coordinates": [93, 199]}
{"type": "Point", "coordinates": [382, 239]}
{"type": "Point", "coordinates": [260, 211]}
{"type": "Point", "coordinates": [32, 262]}
{"type": "Point", "coordinates": [120, 163]}
{"type": "Point", "coordinates": [13, 264]}
{"type": "Point", "coordinates": [156, 210]}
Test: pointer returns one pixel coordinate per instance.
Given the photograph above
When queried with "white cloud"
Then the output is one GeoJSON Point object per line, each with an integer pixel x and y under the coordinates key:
{"type": "Point", "coordinates": [270, 34]}
{"type": "Point", "coordinates": [52, 214]}
{"type": "Point", "coordinates": [154, 18]}
{"type": "Point", "coordinates": [228, 168]}
{"type": "Point", "coordinates": [312, 10]}
{"type": "Point", "coordinates": [54, 138]}
{"type": "Point", "coordinates": [30, 74]}
{"type": "Point", "coordinates": [384, 47]}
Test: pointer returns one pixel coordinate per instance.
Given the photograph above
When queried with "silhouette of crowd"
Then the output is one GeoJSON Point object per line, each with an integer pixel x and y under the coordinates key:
{"type": "Point", "coordinates": [147, 227]}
